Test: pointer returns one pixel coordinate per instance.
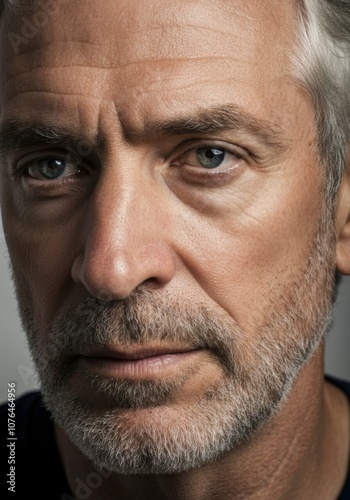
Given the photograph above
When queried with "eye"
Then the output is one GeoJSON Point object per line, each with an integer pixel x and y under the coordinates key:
{"type": "Point", "coordinates": [51, 169]}
{"type": "Point", "coordinates": [209, 158]}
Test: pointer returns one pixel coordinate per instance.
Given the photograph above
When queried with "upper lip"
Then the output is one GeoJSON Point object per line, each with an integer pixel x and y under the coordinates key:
{"type": "Point", "coordinates": [134, 353]}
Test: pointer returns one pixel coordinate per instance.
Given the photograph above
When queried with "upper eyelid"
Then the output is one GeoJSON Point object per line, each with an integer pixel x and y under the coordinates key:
{"type": "Point", "coordinates": [239, 151]}
{"type": "Point", "coordinates": [30, 159]}
{"type": "Point", "coordinates": [33, 165]}
{"type": "Point", "coordinates": [21, 167]}
{"type": "Point", "coordinates": [18, 159]}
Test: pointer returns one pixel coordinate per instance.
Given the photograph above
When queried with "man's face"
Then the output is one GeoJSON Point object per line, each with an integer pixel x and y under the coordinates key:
{"type": "Point", "coordinates": [176, 205]}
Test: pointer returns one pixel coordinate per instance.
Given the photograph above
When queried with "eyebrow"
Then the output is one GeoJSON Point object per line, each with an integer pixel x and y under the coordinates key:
{"type": "Point", "coordinates": [16, 134]}
{"type": "Point", "coordinates": [210, 121]}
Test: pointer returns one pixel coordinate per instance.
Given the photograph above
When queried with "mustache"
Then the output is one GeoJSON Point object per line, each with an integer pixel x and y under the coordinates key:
{"type": "Point", "coordinates": [141, 319]}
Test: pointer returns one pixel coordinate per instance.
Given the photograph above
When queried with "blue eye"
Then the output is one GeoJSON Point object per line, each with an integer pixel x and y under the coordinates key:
{"type": "Point", "coordinates": [210, 157]}
{"type": "Point", "coordinates": [51, 169]}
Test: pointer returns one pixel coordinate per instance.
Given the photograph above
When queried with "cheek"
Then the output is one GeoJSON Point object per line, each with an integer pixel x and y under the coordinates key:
{"type": "Point", "coordinates": [251, 258]}
{"type": "Point", "coordinates": [41, 263]}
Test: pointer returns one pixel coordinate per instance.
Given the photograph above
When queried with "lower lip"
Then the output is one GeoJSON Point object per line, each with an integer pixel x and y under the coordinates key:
{"type": "Point", "coordinates": [151, 367]}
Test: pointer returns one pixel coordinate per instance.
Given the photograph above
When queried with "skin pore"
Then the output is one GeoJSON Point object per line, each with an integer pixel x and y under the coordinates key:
{"type": "Point", "coordinates": [126, 93]}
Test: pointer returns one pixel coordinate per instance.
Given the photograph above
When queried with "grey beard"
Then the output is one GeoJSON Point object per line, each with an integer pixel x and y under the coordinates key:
{"type": "Point", "coordinates": [137, 429]}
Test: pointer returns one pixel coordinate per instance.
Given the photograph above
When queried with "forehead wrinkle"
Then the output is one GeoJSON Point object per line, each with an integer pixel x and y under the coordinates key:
{"type": "Point", "coordinates": [181, 31]}
{"type": "Point", "coordinates": [100, 59]}
{"type": "Point", "coordinates": [28, 69]}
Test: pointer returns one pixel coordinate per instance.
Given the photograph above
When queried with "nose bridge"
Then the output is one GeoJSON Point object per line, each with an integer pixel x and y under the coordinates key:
{"type": "Point", "coordinates": [115, 212]}
{"type": "Point", "coordinates": [124, 240]}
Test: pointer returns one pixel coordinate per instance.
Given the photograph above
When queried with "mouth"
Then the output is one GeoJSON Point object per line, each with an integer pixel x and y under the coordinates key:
{"type": "Point", "coordinates": [139, 363]}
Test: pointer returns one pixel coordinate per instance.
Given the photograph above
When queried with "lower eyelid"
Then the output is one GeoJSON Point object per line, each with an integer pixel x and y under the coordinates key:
{"type": "Point", "coordinates": [210, 178]}
{"type": "Point", "coordinates": [226, 166]}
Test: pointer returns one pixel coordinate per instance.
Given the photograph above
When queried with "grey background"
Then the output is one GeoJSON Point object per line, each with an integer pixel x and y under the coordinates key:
{"type": "Point", "coordinates": [16, 365]}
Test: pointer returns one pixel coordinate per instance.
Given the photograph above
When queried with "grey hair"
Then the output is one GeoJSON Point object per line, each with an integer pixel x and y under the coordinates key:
{"type": "Point", "coordinates": [322, 67]}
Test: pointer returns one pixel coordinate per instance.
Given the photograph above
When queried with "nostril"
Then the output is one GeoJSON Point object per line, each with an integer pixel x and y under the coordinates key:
{"type": "Point", "coordinates": [150, 282]}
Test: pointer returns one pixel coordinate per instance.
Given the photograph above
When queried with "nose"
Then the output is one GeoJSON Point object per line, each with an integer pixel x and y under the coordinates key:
{"type": "Point", "coordinates": [123, 237]}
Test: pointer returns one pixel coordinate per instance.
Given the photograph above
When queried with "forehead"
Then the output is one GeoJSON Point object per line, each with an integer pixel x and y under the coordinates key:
{"type": "Point", "coordinates": [116, 22]}
{"type": "Point", "coordinates": [159, 55]}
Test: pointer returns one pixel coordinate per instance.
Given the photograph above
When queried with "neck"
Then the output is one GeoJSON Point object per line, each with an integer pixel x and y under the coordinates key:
{"type": "Point", "coordinates": [302, 452]}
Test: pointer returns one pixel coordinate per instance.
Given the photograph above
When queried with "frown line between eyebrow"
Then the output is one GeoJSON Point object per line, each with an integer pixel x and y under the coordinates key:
{"type": "Point", "coordinates": [17, 134]}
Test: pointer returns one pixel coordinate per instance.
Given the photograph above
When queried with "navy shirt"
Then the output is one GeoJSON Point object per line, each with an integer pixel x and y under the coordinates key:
{"type": "Point", "coordinates": [39, 472]}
